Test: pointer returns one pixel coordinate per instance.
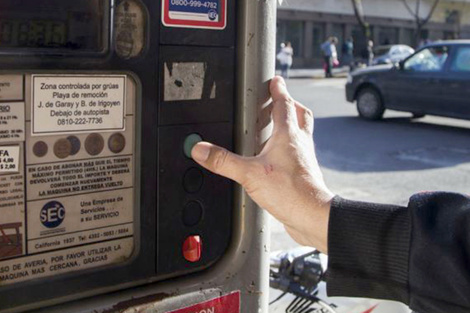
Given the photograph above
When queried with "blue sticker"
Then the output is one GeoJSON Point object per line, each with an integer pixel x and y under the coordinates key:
{"type": "Point", "coordinates": [52, 214]}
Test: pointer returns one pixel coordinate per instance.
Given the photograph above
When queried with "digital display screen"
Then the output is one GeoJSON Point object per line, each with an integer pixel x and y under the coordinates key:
{"type": "Point", "coordinates": [78, 25]}
{"type": "Point", "coordinates": [39, 33]}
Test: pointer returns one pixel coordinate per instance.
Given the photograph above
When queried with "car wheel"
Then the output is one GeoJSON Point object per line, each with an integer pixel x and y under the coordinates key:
{"type": "Point", "coordinates": [369, 104]}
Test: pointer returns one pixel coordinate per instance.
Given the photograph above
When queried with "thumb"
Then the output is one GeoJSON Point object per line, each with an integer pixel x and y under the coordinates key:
{"type": "Point", "coordinates": [220, 161]}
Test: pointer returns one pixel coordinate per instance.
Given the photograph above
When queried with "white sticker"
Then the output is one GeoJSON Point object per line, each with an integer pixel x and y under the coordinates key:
{"type": "Point", "coordinates": [67, 200]}
{"type": "Point", "coordinates": [65, 261]}
{"type": "Point", "coordinates": [69, 104]}
{"type": "Point", "coordinates": [9, 159]}
{"type": "Point", "coordinates": [11, 87]}
{"type": "Point", "coordinates": [98, 217]}
{"type": "Point", "coordinates": [11, 122]}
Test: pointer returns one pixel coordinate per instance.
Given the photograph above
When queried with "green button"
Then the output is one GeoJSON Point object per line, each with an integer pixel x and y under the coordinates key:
{"type": "Point", "coordinates": [189, 143]}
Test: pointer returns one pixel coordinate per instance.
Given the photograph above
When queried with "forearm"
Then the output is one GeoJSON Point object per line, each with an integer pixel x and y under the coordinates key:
{"type": "Point", "coordinates": [418, 255]}
{"type": "Point", "coordinates": [368, 248]}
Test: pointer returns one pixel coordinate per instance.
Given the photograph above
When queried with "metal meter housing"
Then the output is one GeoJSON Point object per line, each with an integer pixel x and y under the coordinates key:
{"type": "Point", "coordinates": [137, 91]}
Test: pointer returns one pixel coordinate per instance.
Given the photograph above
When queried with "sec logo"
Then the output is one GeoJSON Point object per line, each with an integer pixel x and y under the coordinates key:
{"type": "Point", "coordinates": [52, 214]}
{"type": "Point", "coordinates": [213, 15]}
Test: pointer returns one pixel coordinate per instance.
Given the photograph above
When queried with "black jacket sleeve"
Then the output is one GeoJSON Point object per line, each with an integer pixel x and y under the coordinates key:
{"type": "Point", "coordinates": [418, 255]}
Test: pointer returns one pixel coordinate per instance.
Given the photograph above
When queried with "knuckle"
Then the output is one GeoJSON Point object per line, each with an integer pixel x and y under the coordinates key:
{"type": "Point", "coordinates": [220, 159]}
{"type": "Point", "coordinates": [289, 101]}
{"type": "Point", "coordinates": [286, 99]}
{"type": "Point", "coordinates": [308, 114]}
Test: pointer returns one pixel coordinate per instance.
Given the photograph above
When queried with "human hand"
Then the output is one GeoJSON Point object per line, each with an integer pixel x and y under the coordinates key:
{"type": "Point", "coordinates": [285, 178]}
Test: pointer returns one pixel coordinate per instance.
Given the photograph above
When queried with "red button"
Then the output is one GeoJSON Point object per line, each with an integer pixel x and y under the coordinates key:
{"type": "Point", "coordinates": [192, 247]}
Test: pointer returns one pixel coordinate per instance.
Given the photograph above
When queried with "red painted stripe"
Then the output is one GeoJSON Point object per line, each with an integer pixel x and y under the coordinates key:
{"type": "Point", "coordinates": [371, 309]}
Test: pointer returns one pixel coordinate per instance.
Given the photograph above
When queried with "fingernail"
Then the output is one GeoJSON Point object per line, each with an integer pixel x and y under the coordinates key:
{"type": "Point", "coordinates": [201, 152]}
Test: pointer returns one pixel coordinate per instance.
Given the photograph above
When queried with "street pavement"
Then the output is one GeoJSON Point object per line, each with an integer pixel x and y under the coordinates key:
{"type": "Point", "coordinates": [315, 72]}
{"type": "Point", "coordinates": [385, 161]}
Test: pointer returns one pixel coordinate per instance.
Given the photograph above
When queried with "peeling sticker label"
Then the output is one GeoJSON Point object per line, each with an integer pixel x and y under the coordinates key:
{"type": "Point", "coordinates": [226, 304]}
{"type": "Point", "coordinates": [203, 14]}
{"type": "Point", "coordinates": [188, 81]}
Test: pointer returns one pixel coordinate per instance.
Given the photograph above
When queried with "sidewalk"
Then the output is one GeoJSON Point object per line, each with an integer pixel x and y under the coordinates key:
{"type": "Point", "coordinates": [314, 72]}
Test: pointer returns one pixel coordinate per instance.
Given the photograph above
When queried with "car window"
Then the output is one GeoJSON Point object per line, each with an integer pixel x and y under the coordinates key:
{"type": "Point", "coordinates": [461, 62]}
{"type": "Point", "coordinates": [395, 50]}
{"type": "Point", "coordinates": [380, 51]}
{"type": "Point", "coordinates": [428, 60]}
{"type": "Point", "coordinates": [407, 50]}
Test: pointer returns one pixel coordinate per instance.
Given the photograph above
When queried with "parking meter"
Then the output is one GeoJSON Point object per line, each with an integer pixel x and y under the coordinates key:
{"type": "Point", "coordinates": [102, 208]}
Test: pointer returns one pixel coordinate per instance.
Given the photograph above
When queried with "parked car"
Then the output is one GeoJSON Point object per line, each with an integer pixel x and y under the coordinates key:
{"type": "Point", "coordinates": [434, 80]}
{"type": "Point", "coordinates": [391, 54]}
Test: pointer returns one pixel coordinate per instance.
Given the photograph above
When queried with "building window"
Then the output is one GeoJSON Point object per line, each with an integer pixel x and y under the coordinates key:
{"type": "Point", "coordinates": [408, 37]}
{"type": "Point", "coordinates": [338, 32]}
{"type": "Point", "coordinates": [319, 37]}
{"type": "Point", "coordinates": [360, 42]}
{"type": "Point", "coordinates": [292, 31]}
{"type": "Point", "coordinates": [450, 35]}
{"type": "Point", "coordinates": [388, 36]}
{"type": "Point", "coordinates": [452, 17]}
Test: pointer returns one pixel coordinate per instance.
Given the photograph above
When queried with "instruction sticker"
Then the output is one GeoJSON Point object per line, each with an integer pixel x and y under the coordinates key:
{"type": "Point", "coordinates": [60, 262]}
{"type": "Point", "coordinates": [203, 14]}
{"type": "Point", "coordinates": [67, 200]}
{"type": "Point", "coordinates": [65, 104]}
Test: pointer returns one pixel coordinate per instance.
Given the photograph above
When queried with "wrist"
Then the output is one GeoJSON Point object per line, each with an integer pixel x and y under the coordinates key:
{"type": "Point", "coordinates": [313, 223]}
{"type": "Point", "coordinates": [320, 221]}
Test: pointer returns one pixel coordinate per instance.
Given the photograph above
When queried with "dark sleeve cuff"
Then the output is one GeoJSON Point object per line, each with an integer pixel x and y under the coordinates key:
{"type": "Point", "coordinates": [368, 249]}
{"type": "Point", "coordinates": [440, 253]}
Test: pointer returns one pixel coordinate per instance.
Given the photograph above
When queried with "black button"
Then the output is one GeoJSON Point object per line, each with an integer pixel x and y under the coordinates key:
{"type": "Point", "coordinates": [193, 179]}
{"type": "Point", "coordinates": [192, 213]}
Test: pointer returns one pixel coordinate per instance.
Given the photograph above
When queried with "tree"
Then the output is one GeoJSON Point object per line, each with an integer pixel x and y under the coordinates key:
{"type": "Point", "coordinates": [454, 17]}
{"type": "Point", "coordinates": [359, 13]}
{"type": "Point", "coordinates": [420, 22]}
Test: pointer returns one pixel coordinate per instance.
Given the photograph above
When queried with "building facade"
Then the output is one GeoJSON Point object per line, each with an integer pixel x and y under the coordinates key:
{"type": "Point", "coordinates": [308, 23]}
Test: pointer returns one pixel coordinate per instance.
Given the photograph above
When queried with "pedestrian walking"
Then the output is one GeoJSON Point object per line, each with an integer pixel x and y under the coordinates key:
{"type": "Point", "coordinates": [370, 52]}
{"type": "Point", "coordinates": [285, 58]}
{"type": "Point", "coordinates": [330, 55]}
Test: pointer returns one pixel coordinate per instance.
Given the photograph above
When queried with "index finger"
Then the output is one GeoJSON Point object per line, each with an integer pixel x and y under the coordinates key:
{"type": "Point", "coordinates": [278, 89]}
{"type": "Point", "coordinates": [284, 114]}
